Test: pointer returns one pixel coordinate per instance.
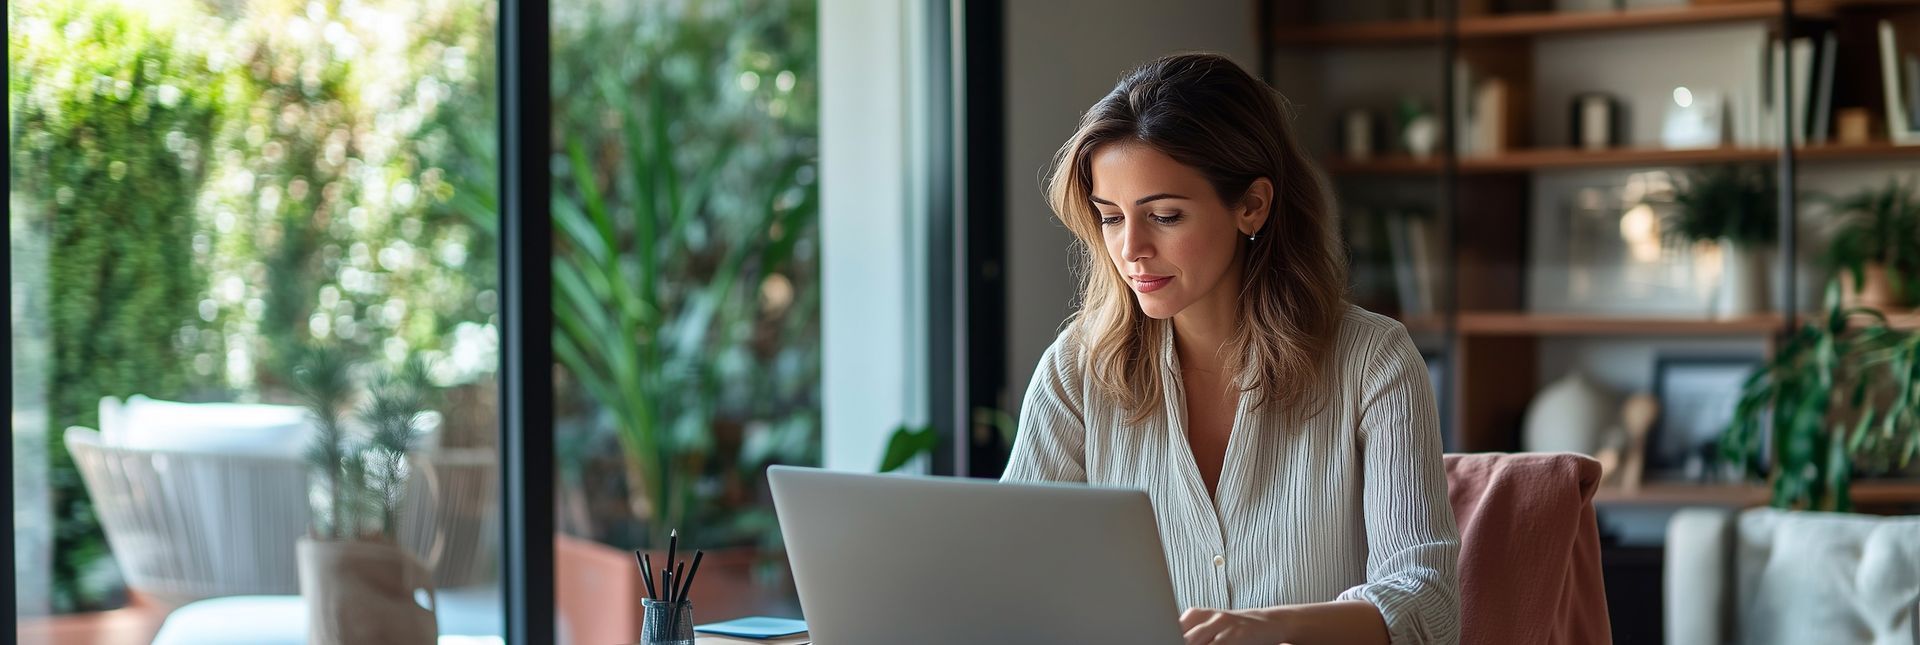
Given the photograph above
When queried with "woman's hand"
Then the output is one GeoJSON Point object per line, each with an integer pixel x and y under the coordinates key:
{"type": "Point", "coordinates": [1263, 626]}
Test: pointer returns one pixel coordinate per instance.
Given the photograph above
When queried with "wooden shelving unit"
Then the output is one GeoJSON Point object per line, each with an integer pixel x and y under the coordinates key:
{"type": "Point", "coordinates": [1545, 159]}
{"type": "Point", "coordinates": [1493, 344]}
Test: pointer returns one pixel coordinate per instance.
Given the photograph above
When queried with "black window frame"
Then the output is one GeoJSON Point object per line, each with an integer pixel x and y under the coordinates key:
{"type": "Point", "coordinates": [526, 331]}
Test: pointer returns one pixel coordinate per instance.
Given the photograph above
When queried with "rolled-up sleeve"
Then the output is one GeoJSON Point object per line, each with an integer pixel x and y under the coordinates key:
{"type": "Point", "coordinates": [1413, 545]}
{"type": "Point", "coordinates": [1051, 441]}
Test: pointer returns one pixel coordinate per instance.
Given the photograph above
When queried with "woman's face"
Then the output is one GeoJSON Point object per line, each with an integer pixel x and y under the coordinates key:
{"type": "Point", "coordinates": [1167, 232]}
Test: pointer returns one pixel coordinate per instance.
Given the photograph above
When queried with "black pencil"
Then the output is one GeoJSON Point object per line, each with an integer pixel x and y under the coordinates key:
{"type": "Point", "coordinates": [673, 543]}
{"type": "Point", "coordinates": [669, 585]}
{"type": "Point", "coordinates": [646, 573]}
{"type": "Point", "coordinates": [686, 586]}
{"type": "Point", "coordinates": [679, 582]}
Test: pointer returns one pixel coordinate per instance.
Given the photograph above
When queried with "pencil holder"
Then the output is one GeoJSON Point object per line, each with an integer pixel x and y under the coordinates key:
{"type": "Point", "coordinates": [666, 623]}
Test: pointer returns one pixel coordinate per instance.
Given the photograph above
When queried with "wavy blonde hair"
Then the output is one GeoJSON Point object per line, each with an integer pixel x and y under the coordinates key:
{"type": "Point", "coordinates": [1207, 113]}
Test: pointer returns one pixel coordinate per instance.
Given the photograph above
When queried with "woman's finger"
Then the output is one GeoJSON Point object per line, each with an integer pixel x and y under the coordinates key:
{"type": "Point", "coordinates": [1204, 633]}
{"type": "Point", "coordinates": [1194, 616]}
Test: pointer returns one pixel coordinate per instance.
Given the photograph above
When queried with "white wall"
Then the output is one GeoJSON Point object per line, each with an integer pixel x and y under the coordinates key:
{"type": "Point", "coordinates": [871, 330]}
{"type": "Point", "coordinates": [1061, 56]}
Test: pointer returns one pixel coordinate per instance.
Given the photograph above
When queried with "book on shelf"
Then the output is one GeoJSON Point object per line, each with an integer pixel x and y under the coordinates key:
{"type": "Point", "coordinates": [1798, 55]}
{"type": "Point", "coordinates": [1902, 98]}
{"type": "Point", "coordinates": [1480, 111]}
{"type": "Point", "coordinates": [1415, 245]}
{"type": "Point", "coordinates": [1759, 102]}
{"type": "Point", "coordinates": [1822, 110]}
{"type": "Point", "coordinates": [1912, 66]}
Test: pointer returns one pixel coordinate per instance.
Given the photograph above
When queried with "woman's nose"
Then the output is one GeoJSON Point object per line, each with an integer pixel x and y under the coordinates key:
{"type": "Point", "coordinates": [1135, 240]}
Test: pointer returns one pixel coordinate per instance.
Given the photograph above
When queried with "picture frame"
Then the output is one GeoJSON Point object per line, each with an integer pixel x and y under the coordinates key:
{"type": "Point", "coordinates": [1697, 396]}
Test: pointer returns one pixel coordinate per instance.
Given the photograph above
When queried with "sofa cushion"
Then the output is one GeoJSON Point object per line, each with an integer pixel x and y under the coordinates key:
{"type": "Point", "coordinates": [1806, 577]}
{"type": "Point", "coordinates": [246, 429]}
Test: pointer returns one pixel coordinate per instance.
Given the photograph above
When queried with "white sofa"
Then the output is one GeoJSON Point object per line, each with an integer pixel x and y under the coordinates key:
{"type": "Point", "coordinates": [1765, 576]}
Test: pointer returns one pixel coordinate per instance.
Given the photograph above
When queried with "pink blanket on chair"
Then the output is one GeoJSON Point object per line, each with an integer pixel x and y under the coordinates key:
{"type": "Point", "coordinates": [1529, 548]}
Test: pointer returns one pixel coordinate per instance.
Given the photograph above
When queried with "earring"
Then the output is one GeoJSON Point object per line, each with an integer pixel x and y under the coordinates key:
{"type": "Point", "coordinates": [1253, 237]}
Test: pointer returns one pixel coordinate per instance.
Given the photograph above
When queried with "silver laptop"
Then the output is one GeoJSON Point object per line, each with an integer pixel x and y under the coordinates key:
{"type": "Point", "coordinates": [889, 559]}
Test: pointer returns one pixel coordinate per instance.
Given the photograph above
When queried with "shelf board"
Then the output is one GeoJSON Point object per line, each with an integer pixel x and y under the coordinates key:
{"type": "Point", "coordinates": [1546, 159]}
{"type": "Point", "coordinates": [1532, 324]}
{"type": "Point", "coordinates": [1864, 493]}
{"type": "Point", "coordinates": [1531, 24]}
{"type": "Point", "coordinates": [1390, 32]}
{"type": "Point", "coordinates": [1543, 23]}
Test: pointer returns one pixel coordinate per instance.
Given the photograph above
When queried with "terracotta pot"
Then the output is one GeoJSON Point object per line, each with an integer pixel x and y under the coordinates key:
{"type": "Point", "coordinates": [1875, 291]}
{"type": "Point", "coordinates": [363, 592]}
{"type": "Point", "coordinates": [598, 589]}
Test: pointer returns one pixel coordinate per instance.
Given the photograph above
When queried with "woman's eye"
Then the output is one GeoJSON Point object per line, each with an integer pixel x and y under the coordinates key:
{"type": "Point", "coordinates": [1109, 220]}
{"type": "Point", "coordinates": [1167, 219]}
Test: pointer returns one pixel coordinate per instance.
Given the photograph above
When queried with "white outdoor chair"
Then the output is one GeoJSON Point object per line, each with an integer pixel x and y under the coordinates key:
{"type": "Point", "coordinates": [191, 525]}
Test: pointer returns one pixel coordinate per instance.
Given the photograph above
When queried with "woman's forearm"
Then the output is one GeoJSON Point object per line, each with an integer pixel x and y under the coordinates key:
{"type": "Point", "coordinates": [1340, 621]}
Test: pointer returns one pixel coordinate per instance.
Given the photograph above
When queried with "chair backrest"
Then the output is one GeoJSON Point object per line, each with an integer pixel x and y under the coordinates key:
{"type": "Point", "coordinates": [188, 525]}
{"type": "Point", "coordinates": [451, 515]}
{"type": "Point", "coordinates": [1529, 548]}
{"type": "Point", "coordinates": [171, 518]}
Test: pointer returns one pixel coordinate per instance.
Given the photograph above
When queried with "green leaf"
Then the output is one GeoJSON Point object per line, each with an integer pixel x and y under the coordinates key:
{"type": "Point", "coordinates": [906, 443]}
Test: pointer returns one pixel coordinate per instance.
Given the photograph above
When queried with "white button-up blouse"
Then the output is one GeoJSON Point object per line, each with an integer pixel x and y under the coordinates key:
{"type": "Point", "coordinates": [1351, 504]}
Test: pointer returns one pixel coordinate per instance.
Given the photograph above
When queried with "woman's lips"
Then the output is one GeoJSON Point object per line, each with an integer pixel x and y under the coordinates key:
{"type": "Point", "coordinates": [1150, 283]}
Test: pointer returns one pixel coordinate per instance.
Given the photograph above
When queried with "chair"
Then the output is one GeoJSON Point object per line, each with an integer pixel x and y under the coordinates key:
{"type": "Point", "coordinates": [189, 525]}
{"type": "Point", "coordinates": [1529, 548]}
{"type": "Point", "coordinates": [1770, 576]}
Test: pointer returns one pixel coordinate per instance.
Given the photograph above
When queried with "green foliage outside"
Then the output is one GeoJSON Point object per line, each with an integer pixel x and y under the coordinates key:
{"type": "Point", "coordinates": [686, 264]}
{"type": "Point", "coordinates": [252, 177]}
{"type": "Point", "coordinates": [107, 124]}
{"type": "Point", "coordinates": [221, 183]}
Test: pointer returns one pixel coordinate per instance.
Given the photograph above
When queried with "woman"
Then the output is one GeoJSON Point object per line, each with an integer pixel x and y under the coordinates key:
{"type": "Point", "coordinates": [1289, 441]}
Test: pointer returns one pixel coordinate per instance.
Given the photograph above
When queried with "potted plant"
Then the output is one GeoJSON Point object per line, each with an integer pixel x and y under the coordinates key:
{"type": "Point", "coordinates": [358, 582]}
{"type": "Point", "coordinates": [1842, 396]}
{"type": "Point", "coordinates": [1732, 206]}
{"type": "Point", "coordinates": [1876, 246]}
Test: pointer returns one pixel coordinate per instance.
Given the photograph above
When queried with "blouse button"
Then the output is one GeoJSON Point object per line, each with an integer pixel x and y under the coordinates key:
{"type": "Point", "coordinates": [1219, 561]}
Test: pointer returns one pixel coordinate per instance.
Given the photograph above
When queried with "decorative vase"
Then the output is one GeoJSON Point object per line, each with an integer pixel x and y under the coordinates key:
{"type": "Point", "coordinates": [1875, 291]}
{"type": "Point", "coordinates": [1421, 135]}
{"type": "Point", "coordinates": [1573, 414]}
{"type": "Point", "coordinates": [364, 592]}
{"type": "Point", "coordinates": [1743, 281]}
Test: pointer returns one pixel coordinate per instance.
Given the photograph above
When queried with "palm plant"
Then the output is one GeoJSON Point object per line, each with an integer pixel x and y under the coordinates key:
{"type": "Point", "coordinates": [361, 480]}
{"type": "Point", "coordinates": [1837, 398]}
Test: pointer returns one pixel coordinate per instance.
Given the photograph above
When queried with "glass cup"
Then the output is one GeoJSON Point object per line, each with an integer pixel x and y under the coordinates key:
{"type": "Point", "coordinates": [666, 623]}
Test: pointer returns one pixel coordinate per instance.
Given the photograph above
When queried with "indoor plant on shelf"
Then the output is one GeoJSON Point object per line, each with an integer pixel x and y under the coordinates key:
{"type": "Point", "coordinates": [1876, 246]}
{"type": "Point", "coordinates": [359, 584]}
{"type": "Point", "coordinates": [1733, 206]}
{"type": "Point", "coordinates": [1841, 397]}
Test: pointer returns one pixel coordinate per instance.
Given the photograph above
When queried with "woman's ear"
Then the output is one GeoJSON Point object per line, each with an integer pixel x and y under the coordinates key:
{"type": "Point", "coordinates": [1255, 207]}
